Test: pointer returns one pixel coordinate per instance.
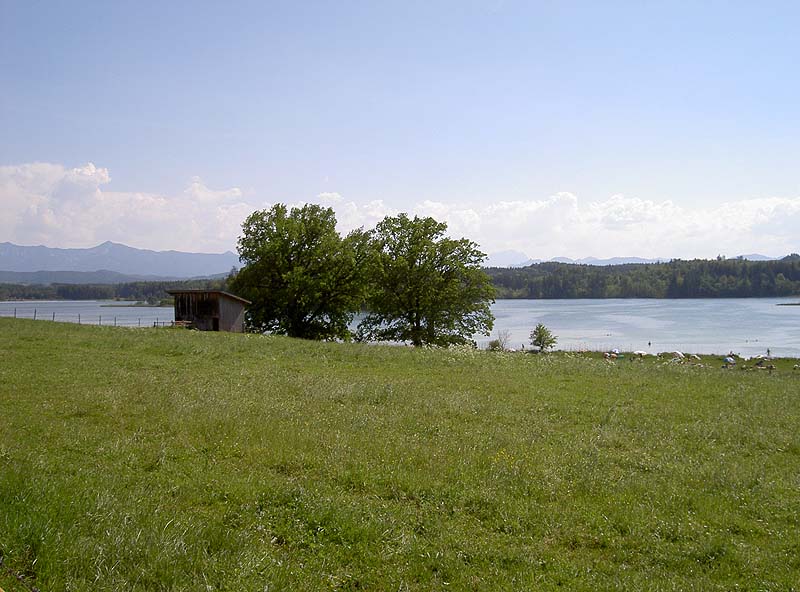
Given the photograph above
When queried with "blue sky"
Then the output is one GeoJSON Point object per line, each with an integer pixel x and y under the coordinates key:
{"type": "Point", "coordinates": [554, 128]}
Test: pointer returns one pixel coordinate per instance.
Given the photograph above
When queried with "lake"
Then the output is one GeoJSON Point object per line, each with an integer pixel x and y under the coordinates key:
{"type": "Point", "coordinates": [89, 312]}
{"type": "Point", "coordinates": [747, 326]}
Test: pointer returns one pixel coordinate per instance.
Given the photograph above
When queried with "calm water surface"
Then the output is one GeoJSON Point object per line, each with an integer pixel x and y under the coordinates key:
{"type": "Point", "coordinates": [744, 325]}
{"type": "Point", "coordinates": [89, 312]}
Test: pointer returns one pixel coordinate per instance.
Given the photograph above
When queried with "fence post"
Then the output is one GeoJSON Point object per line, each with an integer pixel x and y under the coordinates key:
{"type": "Point", "coordinates": [15, 312]}
{"type": "Point", "coordinates": [100, 320]}
{"type": "Point", "coordinates": [79, 318]}
{"type": "Point", "coordinates": [140, 322]}
{"type": "Point", "coordinates": [54, 316]}
{"type": "Point", "coordinates": [34, 314]}
{"type": "Point", "coordinates": [115, 321]}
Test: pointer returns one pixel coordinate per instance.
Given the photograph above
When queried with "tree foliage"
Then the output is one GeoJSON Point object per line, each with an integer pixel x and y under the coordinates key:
{"type": "Point", "coordinates": [303, 278]}
{"type": "Point", "coordinates": [427, 289]}
{"type": "Point", "coordinates": [700, 278]}
{"type": "Point", "coordinates": [542, 338]}
{"type": "Point", "coordinates": [144, 291]}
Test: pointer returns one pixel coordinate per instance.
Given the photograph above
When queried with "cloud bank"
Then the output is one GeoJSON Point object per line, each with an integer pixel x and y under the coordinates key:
{"type": "Point", "coordinates": [620, 226]}
{"type": "Point", "coordinates": [51, 204]}
{"type": "Point", "coordinates": [61, 207]}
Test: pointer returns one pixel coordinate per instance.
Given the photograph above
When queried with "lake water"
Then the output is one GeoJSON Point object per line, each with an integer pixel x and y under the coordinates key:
{"type": "Point", "coordinates": [89, 312]}
{"type": "Point", "coordinates": [747, 326]}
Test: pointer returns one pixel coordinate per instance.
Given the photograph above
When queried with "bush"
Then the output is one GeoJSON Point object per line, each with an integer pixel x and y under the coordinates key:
{"type": "Point", "coordinates": [501, 343]}
{"type": "Point", "coordinates": [542, 338]}
{"type": "Point", "coordinates": [494, 345]}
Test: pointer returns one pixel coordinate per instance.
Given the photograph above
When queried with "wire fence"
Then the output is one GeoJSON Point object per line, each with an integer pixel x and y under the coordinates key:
{"type": "Point", "coordinates": [90, 319]}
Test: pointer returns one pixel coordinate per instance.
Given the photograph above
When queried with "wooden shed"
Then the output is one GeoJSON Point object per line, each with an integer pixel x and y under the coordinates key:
{"type": "Point", "coordinates": [209, 310]}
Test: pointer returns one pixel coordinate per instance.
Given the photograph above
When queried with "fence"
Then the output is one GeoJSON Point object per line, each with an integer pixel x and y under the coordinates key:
{"type": "Point", "coordinates": [90, 319]}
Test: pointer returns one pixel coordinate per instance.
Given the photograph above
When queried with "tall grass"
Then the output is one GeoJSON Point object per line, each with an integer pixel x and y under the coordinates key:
{"type": "Point", "coordinates": [177, 460]}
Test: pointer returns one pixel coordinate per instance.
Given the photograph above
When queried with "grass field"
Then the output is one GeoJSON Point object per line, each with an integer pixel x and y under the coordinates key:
{"type": "Point", "coordinates": [159, 459]}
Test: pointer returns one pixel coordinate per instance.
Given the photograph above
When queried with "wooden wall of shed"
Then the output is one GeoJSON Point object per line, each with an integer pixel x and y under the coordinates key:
{"type": "Point", "coordinates": [231, 315]}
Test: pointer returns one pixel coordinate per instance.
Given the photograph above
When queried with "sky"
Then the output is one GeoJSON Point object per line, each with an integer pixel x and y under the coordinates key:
{"type": "Point", "coordinates": [558, 128]}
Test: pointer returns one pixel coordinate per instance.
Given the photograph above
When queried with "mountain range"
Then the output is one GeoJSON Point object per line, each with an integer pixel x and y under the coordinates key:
{"type": "Point", "coordinates": [520, 259]}
{"type": "Point", "coordinates": [110, 258]}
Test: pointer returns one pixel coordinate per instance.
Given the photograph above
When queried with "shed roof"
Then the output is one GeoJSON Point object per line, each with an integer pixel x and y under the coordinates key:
{"type": "Point", "coordinates": [220, 292]}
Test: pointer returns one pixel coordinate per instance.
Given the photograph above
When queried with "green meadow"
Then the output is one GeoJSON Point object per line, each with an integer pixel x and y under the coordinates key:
{"type": "Point", "coordinates": [161, 459]}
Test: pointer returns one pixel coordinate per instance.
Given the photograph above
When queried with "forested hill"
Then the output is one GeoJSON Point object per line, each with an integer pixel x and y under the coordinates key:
{"type": "Point", "coordinates": [716, 278]}
{"type": "Point", "coordinates": [151, 292]}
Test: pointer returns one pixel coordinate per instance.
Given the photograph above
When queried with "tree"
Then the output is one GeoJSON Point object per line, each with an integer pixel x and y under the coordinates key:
{"type": "Point", "coordinates": [303, 278]}
{"type": "Point", "coordinates": [542, 338]}
{"type": "Point", "coordinates": [427, 289]}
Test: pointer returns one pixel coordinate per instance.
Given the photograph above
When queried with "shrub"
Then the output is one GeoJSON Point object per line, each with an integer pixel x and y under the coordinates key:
{"type": "Point", "coordinates": [542, 338]}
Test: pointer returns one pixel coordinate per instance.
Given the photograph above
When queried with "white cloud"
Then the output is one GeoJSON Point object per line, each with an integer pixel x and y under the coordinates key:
{"type": "Point", "coordinates": [350, 215]}
{"type": "Point", "coordinates": [58, 206]}
{"type": "Point", "coordinates": [198, 192]}
{"type": "Point", "coordinates": [53, 205]}
{"type": "Point", "coordinates": [620, 226]}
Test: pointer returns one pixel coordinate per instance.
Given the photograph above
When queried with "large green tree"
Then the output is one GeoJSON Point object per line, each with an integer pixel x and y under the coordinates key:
{"type": "Point", "coordinates": [303, 278]}
{"type": "Point", "coordinates": [427, 288]}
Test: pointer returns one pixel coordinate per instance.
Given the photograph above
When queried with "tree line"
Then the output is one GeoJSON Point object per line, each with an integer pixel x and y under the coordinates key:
{"type": "Point", "coordinates": [716, 278]}
{"type": "Point", "coordinates": [150, 292]}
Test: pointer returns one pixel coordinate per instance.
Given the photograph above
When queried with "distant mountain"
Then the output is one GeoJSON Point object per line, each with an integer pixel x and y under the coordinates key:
{"type": "Point", "coordinates": [756, 257]}
{"type": "Point", "coordinates": [519, 259]}
{"type": "Point", "coordinates": [118, 258]}
{"type": "Point", "coordinates": [509, 259]}
{"type": "Point", "coordinates": [102, 276]}
{"type": "Point", "coordinates": [611, 261]}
